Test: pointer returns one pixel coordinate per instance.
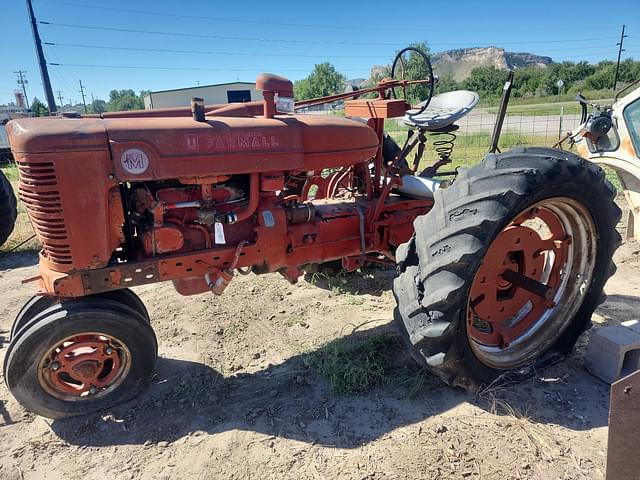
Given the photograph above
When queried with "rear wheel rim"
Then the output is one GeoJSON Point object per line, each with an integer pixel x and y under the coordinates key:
{"type": "Point", "coordinates": [550, 250]}
{"type": "Point", "coordinates": [84, 366]}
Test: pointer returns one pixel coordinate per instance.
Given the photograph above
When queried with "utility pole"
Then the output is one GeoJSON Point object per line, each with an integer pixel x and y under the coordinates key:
{"type": "Point", "coordinates": [93, 102]}
{"type": "Point", "coordinates": [23, 81]}
{"type": "Point", "coordinates": [60, 98]}
{"type": "Point", "coordinates": [46, 82]}
{"type": "Point", "coordinates": [620, 50]}
{"type": "Point", "coordinates": [83, 100]}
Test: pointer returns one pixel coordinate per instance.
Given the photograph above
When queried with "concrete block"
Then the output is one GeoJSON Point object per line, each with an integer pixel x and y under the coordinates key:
{"type": "Point", "coordinates": [614, 351]}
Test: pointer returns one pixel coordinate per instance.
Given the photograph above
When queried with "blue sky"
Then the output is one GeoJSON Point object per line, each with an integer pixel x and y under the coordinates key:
{"type": "Point", "coordinates": [243, 38]}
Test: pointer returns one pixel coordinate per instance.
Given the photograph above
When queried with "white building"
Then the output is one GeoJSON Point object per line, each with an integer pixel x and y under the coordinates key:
{"type": "Point", "coordinates": [212, 94]}
{"type": "Point", "coordinates": [11, 111]}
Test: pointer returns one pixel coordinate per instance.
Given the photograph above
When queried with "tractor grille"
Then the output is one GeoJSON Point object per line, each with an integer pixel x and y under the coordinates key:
{"type": "Point", "coordinates": [39, 193]}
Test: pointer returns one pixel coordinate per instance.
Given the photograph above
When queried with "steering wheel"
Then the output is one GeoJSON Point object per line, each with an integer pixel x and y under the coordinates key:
{"type": "Point", "coordinates": [417, 64]}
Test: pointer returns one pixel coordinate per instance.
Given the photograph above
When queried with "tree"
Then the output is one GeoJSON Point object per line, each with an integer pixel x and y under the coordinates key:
{"type": "Point", "coordinates": [527, 81]}
{"type": "Point", "coordinates": [629, 70]}
{"type": "Point", "coordinates": [446, 83]}
{"type": "Point", "coordinates": [324, 80]}
{"type": "Point", "coordinates": [126, 99]}
{"type": "Point", "coordinates": [602, 78]}
{"type": "Point", "coordinates": [487, 81]}
{"type": "Point", "coordinates": [38, 108]}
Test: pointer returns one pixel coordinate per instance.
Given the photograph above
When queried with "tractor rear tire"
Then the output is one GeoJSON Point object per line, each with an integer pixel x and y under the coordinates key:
{"type": "Point", "coordinates": [8, 209]}
{"type": "Point", "coordinates": [544, 214]}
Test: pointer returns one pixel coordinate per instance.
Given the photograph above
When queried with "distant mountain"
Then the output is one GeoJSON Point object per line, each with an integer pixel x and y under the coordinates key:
{"type": "Point", "coordinates": [459, 62]}
{"type": "Point", "coordinates": [520, 60]}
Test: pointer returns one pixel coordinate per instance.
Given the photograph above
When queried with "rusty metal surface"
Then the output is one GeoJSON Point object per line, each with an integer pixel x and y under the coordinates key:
{"type": "Point", "coordinates": [81, 179]}
{"type": "Point", "coordinates": [623, 462]}
{"type": "Point", "coordinates": [104, 279]}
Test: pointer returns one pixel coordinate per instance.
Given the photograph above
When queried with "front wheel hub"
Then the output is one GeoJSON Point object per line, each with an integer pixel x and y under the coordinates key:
{"type": "Point", "coordinates": [83, 365]}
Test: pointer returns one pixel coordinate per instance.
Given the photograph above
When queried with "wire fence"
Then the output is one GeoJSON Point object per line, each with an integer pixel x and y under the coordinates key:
{"type": "Point", "coordinates": [473, 138]}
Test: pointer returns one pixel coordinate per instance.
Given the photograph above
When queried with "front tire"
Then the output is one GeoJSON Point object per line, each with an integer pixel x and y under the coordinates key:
{"type": "Point", "coordinates": [508, 266]}
{"type": "Point", "coordinates": [80, 357]}
{"type": "Point", "coordinates": [39, 303]}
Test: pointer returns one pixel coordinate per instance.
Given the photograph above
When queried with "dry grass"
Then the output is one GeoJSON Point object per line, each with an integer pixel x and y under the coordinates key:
{"type": "Point", "coordinates": [22, 229]}
{"type": "Point", "coordinates": [21, 232]}
{"type": "Point", "coordinates": [540, 442]}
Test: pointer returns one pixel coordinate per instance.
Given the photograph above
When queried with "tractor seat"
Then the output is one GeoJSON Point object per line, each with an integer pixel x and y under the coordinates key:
{"type": "Point", "coordinates": [443, 110]}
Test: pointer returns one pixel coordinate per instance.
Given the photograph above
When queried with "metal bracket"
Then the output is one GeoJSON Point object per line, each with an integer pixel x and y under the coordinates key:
{"type": "Point", "coordinates": [623, 463]}
{"type": "Point", "coordinates": [104, 279]}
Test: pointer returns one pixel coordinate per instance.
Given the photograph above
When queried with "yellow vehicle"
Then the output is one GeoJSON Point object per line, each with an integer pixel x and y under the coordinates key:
{"type": "Point", "coordinates": [610, 135]}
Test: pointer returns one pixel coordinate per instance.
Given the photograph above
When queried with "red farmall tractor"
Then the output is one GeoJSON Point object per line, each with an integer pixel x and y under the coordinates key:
{"type": "Point", "coordinates": [499, 266]}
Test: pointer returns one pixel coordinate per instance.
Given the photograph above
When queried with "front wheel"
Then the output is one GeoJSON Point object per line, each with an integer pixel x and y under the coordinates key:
{"type": "Point", "coordinates": [508, 267]}
{"type": "Point", "coordinates": [40, 303]}
{"type": "Point", "coordinates": [79, 357]}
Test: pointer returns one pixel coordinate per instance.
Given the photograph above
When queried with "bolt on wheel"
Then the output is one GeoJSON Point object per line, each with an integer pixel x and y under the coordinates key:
{"type": "Point", "coordinates": [87, 364]}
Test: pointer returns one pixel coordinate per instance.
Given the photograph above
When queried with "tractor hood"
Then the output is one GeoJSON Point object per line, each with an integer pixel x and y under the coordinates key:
{"type": "Point", "coordinates": [56, 134]}
{"type": "Point", "coordinates": [175, 147]}
{"type": "Point", "coordinates": [152, 148]}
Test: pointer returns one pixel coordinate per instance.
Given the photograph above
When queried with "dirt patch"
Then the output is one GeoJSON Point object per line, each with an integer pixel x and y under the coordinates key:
{"type": "Point", "coordinates": [237, 394]}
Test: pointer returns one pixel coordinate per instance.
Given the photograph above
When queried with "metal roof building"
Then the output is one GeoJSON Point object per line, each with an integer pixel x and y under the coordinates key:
{"type": "Point", "coordinates": [212, 94]}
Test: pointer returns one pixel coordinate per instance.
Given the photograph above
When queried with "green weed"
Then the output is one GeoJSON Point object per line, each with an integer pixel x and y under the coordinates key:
{"type": "Point", "coordinates": [350, 299]}
{"type": "Point", "coordinates": [352, 366]}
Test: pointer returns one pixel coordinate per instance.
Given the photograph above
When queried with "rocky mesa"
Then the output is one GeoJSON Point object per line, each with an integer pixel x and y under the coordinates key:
{"type": "Point", "coordinates": [460, 62]}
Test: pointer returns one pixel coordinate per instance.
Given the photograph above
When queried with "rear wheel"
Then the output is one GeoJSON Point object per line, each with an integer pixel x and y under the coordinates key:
{"type": "Point", "coordinates": [508, 267]}
{"type": "Point", "coordinates": [79, 357]}
{"type": "Point", "coordinates": [8, 209]}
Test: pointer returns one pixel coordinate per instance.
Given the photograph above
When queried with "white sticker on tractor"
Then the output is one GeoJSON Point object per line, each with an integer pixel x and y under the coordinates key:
{"type": "Point", "coordinates": [218, 231]}
{"type": "Point", "coordinates": [134, 161]}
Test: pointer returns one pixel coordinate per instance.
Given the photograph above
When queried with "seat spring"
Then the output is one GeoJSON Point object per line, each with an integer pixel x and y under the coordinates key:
{"type": "Point", "coordinates": [444, 144]}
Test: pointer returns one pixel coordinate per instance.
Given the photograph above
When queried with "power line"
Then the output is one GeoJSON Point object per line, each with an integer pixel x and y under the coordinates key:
{"type": "Point", "coordinates": [60, 73]}
{"type": "Point", "coordinates": [203, 52]}
{"type": "Point", "coordinates": [590, 54]}
{"type": "Point", "coordinates": [368, 27]}
{"type": "Point", "coordinates": [229, 20]}
{"type": "Point", "coordinates": [295, 41]}
{"type": "Point", "coordinates": [219, 37]}
{"type": "Point", "coordinates": [209, 69]}
{"type": "Point", "coordinates": [586, 48]}
{"type": "Point", "coordinates": [225, 69]}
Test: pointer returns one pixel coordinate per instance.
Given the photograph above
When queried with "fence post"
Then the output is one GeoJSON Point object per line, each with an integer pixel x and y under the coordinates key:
{"type": "Point", "coordinates": [560, 123]}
